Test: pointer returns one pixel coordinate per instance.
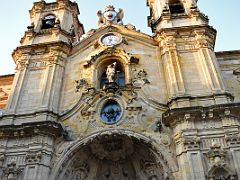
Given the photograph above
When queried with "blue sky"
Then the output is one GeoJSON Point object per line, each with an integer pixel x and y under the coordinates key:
{"type": "Point", "coordinates": [224, 16]}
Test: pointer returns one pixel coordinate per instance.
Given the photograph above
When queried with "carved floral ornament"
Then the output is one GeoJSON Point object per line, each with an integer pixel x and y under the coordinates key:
{"type": "Point", "coordinates": [33, 157]}
{"type": "Point", "coordinates": [139, 77]}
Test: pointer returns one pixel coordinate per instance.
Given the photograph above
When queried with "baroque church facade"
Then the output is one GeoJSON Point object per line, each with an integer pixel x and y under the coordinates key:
{"type": "Point", "coordinates": [117, 104]}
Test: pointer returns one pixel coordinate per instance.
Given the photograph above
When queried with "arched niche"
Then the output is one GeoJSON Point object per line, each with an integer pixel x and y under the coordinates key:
{"type": "Point", "coordinates": [221, 172]}
{"type": "Point", "coordinates": [122, 71]}
{"type": "Point", "coordinates": [99, 62]}
{"type": "Point", "coordinates": [114, 154]}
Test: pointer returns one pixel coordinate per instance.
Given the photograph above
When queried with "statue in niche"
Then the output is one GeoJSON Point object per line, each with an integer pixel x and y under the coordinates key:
{"type": "Point", "coordinates": [111, 71]}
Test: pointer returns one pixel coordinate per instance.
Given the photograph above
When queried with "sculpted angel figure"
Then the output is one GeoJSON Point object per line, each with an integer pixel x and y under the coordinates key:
{"type": "Point", "coordinates": [111, 71]}
{"type": "Point", "coordinates": [110, 16]}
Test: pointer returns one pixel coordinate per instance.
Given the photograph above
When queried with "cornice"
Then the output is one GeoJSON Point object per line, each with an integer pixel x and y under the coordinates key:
{"type": "Point", "coordinates": [203, 36]}
{"type": "Point", "coordinates": [7, 76]}
{"type": "Point", "coordinates": [34, 128]}
{"type": "Point", "coordinates": [216, 111]}
{"type": "Point", "coordinates": [168, 16]}
{"type": "Point", "coordinates": [30, 34]}
{"type": "Point", "coordinates": [29, 50]}
{"type": "Point", "coordinates": [54, 6]}
{"type": "Point", "coordinates": [231, 53]}
{"type": "Point", "coordinates": [187, 28]}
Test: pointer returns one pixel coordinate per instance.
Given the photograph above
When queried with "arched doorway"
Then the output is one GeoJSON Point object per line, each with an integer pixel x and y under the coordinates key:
{"type": "Point", "coordinates": [113, 156]}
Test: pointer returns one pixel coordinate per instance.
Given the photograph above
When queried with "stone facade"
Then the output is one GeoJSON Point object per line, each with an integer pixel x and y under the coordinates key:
{"type": "Point", "coordinates": [172, 111]}
{"type": "Point", "coordinates": [5, 89]}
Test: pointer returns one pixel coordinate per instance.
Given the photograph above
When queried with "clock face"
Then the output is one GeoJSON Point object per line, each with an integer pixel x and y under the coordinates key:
{"type": "Point", "coordinates": [111, 39]}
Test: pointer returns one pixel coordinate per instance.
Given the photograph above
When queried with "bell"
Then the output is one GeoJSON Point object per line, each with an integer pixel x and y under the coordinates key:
{"type": "Point", "coordinates": [50, 22]}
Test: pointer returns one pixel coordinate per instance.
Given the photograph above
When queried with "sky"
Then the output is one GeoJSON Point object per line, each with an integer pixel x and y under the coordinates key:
{"type": "Point", "coordinates": [224, 16]}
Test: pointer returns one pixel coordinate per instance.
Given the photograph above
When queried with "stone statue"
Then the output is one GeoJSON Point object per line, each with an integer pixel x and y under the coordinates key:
{"type": "Point", "coordinates": [111, 71]}
{"type": "Point", "coordinates": [110, 16]}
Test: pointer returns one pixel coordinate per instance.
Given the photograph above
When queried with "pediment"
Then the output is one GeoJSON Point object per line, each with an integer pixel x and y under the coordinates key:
{"type": "Point", "coordinates": [92, 37]}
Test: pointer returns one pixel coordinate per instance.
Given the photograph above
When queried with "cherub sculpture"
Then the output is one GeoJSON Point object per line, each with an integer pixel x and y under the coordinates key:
{"type": "Point", "coordinates": [110, 16]}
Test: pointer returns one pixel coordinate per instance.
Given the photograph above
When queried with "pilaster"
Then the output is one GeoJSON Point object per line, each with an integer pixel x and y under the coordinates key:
{"type": "Point", "coordinates": [192, 73]}
{"type": "Point", "coordinates": [171, 64]}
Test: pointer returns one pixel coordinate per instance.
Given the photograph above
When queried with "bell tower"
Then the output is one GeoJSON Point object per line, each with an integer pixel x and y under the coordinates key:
{"type": "Point", "coordinates": [41, 58]}
{"type": "Point", "coordinates": [174, 13]}
{"type": "Point", "coordinates": [186, 43]}
{"type": "Point", "coordinates": [53, 22]}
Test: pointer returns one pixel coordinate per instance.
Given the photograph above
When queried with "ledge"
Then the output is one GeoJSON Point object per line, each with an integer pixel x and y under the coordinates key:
{"type": "Point", "coordinates": [34, 128]}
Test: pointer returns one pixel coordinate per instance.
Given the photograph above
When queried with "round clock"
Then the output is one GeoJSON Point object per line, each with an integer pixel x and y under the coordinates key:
{"type": "Point", "coordinates": [111, 39]}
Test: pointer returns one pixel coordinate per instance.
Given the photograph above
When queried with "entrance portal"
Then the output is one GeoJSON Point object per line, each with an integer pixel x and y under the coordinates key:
{"type": "Point", "coordinates": [114, 157]}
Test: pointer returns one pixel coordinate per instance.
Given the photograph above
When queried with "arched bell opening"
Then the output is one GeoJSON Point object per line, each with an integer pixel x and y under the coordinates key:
{"type": "Point", "coordinates": [48, 21]}
{"type": "Point", "coordinates": [114, 156]}
{"type": "Point", "coordinates": [176, 7]}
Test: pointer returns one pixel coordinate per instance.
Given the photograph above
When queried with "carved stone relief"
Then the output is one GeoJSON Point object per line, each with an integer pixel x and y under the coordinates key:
{"type": "Point", "coordinates": [236, 72]}
{"type": "Point", "coordinates": [218, 167]}
{"type": "Point", "coordinates": [11, 171]}
{"type": "Point", "coordinates": [139, 77]}
{"type": "Point", "coordinates": [37, 64]}
{"type": "Point", "coordinates": [232, 139]}
{"type": "Point", "coordinates": [152, 169]}
{"type": "Point", "coordinates": [33, 157]}
{"type": "Point", "coordinates": [81, 171]}
{"type": "Point", "coordinates": [81, 84]}
{"type": "Point", "coordinates": [191, 143]}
